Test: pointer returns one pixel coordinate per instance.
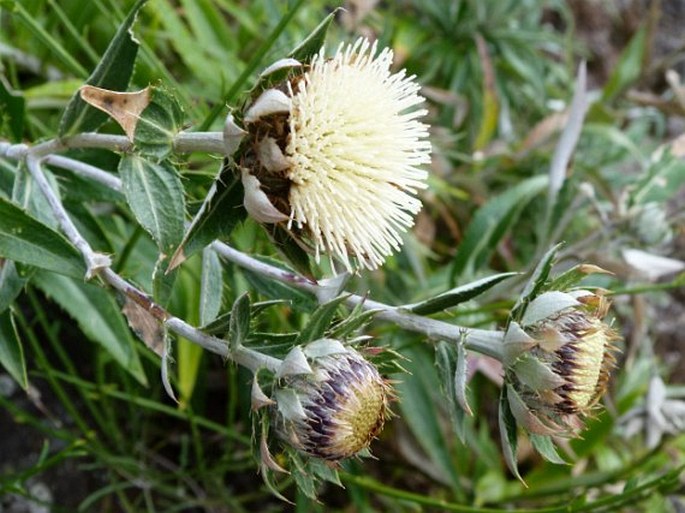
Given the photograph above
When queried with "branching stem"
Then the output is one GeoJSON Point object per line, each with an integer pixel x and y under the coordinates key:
{"type": "Point", "coordinates": [487, 342]}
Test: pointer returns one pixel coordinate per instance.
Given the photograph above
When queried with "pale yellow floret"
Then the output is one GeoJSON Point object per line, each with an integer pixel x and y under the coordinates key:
{"type": "Point", "coordinates": [589, 361]}
{"type": "Point", "coordinates": [354, 150]}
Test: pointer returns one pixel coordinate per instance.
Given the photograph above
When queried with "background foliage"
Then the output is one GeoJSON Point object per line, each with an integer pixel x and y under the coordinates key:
{"type": "Point", "coordinates": [89, 427]}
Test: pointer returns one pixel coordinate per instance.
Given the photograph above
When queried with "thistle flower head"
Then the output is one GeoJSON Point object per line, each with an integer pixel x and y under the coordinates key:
{"type": "Point", "coordinates": [558, 361]}
{"type": "Point", "coordinates": [336, 408]}
{"type": "Point", "coordinates": [336, 149]}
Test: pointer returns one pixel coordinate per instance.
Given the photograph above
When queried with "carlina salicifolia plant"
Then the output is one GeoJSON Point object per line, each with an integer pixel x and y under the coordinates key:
{"type": "Point", "coordinates": [330, 150]}
{"type": "Point", "coordinates": [334, 150]}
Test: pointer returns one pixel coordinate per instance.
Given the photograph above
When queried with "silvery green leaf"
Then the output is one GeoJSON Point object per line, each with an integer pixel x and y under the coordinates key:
{"type": "Point", "coordinates": [545, 446]}
{"type": "Point", "coordinates": [233, 135]}
{"type": "Point", "coordinates": [320, 321]}
{"type": "Point", "coordinates": [535, 374]}
{"type": "Point", "coordinates": [460, 378]}
{"type": "Point", "coordinates": [508, 433]}
{"type": "Point", "coordinates": [166, 360]}
{"type": "Point", "coordinates": [211, 286]}
{"type": "Point", "coordinates": [651, 266]}
{"type": "Point", "coordinates": [280, 64]}
{"type": "Point", "coordinates": [569, 137]}
{"type": "Point", "coordinates": [546, 305]}
{"type": "Point", "coordinates": [536, 281]}
{"type": "Point", "coordinates": [239, 323]}
{"type": "Point", "coordinates": [445, 365]}
{"type": "Point", "coordinates": [294, 363]}
{"type": "Point", "coordinates": [257, 396]}
{"type": "Point", "coordinates": [524, 416]}
{"type": "Point", "coordinates": [654, 402]}
{"type": "Point", "coordinates": [155, 194]}
{"type": "Point", "coordinates": [516, 342]}
{"type": "Point", "coordinates": [289, 404]}
{"type": "Point", "coordinates": [456, 295]}
{"type": "Point", "coordinates": [324, 347]}
{"type": "Point", "coordinates": [330, 288]}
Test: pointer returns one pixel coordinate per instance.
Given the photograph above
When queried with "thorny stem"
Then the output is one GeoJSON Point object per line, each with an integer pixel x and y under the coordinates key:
{"type": "Point", "coordinates": [487, 342]}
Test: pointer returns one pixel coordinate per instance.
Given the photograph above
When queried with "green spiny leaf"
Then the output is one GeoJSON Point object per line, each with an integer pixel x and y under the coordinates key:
{"type": "Point", "coordinates": [221, 211]}
{"type": "Point", "coordinates": [113, 72]}
{"type": "Point", "coordinates": [98, 315]}
{"type": "Point", "coordinates": [320, 321]}
{"type": "Point", "coordinates": [159, 124]}
{"type": "Point", "coordinates": [239, 324]}
{"type": "Point", "coordinates": [26, 240]}
{"type": "Point", "coordinates": [155, 194]}
{"type": "Point", "coordinates": [457, 295]}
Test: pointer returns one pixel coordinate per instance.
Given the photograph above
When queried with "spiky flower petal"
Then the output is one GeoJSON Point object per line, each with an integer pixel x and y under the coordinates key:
{"type": "Point", "coordinates": [336, 410]}
{"type": "Point", "coordinates": [558, 366]}
{"type": "Point", "coordinates": [353, 145]}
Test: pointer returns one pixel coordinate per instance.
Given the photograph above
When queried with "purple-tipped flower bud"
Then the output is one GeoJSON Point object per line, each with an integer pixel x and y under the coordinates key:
{"type": "Point", "coordinates": [558, 361]}
{"type": "Point", "coordinates": [337, 409]}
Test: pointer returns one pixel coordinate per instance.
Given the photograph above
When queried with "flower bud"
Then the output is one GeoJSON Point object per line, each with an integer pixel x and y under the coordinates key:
{"type": "Point", "coordinates": [335, 149]}
{"type": "Point", "coordinates": [335, 410]}
{"type": "Point", "coordinates": [558, 361]}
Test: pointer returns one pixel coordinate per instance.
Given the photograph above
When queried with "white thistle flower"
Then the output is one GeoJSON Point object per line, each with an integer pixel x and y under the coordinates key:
{"type": "Point", "coordinates": [353, 144]}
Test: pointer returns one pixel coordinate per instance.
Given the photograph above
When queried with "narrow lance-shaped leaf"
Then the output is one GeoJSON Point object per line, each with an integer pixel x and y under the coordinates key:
{"type": "Point", "coordinates": [545, 446]}
{"type": "Point", "coordinates": [239, 324]}
{"type": "Point", "coordinates": [11, 351]}
{"type": "Point", "coordinates": [446, 367]}
{"type": "Point", "coordinates": [26, 240]}
{"type": "Point", "coordinates": [166, 357]}
{"type": "Point", "coordinates": [211, 286]}
{"type": "Point", "coordinates": [307, 49]}
{"type": "Point", "coordinates": [113, 72]}
{"type": "Point", "coordinates": [220, 212]}
{"type": "Point", "coordinates": [508, 433]}
{"type": "Point", "coordinates": [98, 316]}
{"type": "Point", "coordinates": [628, 68]}
{"type": "Point", "coordinates": [155, 194]}
{"type": "Point", "coordinates": [320, 321]}
{"type": "Point", "coordinates": [457, 295]}
{"type": "Point", "coordinates": [460, 375]}
{"type": "Point", "coordinates": [569, 137]}
{"type": "Point", "coordinates": [536, 282]}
